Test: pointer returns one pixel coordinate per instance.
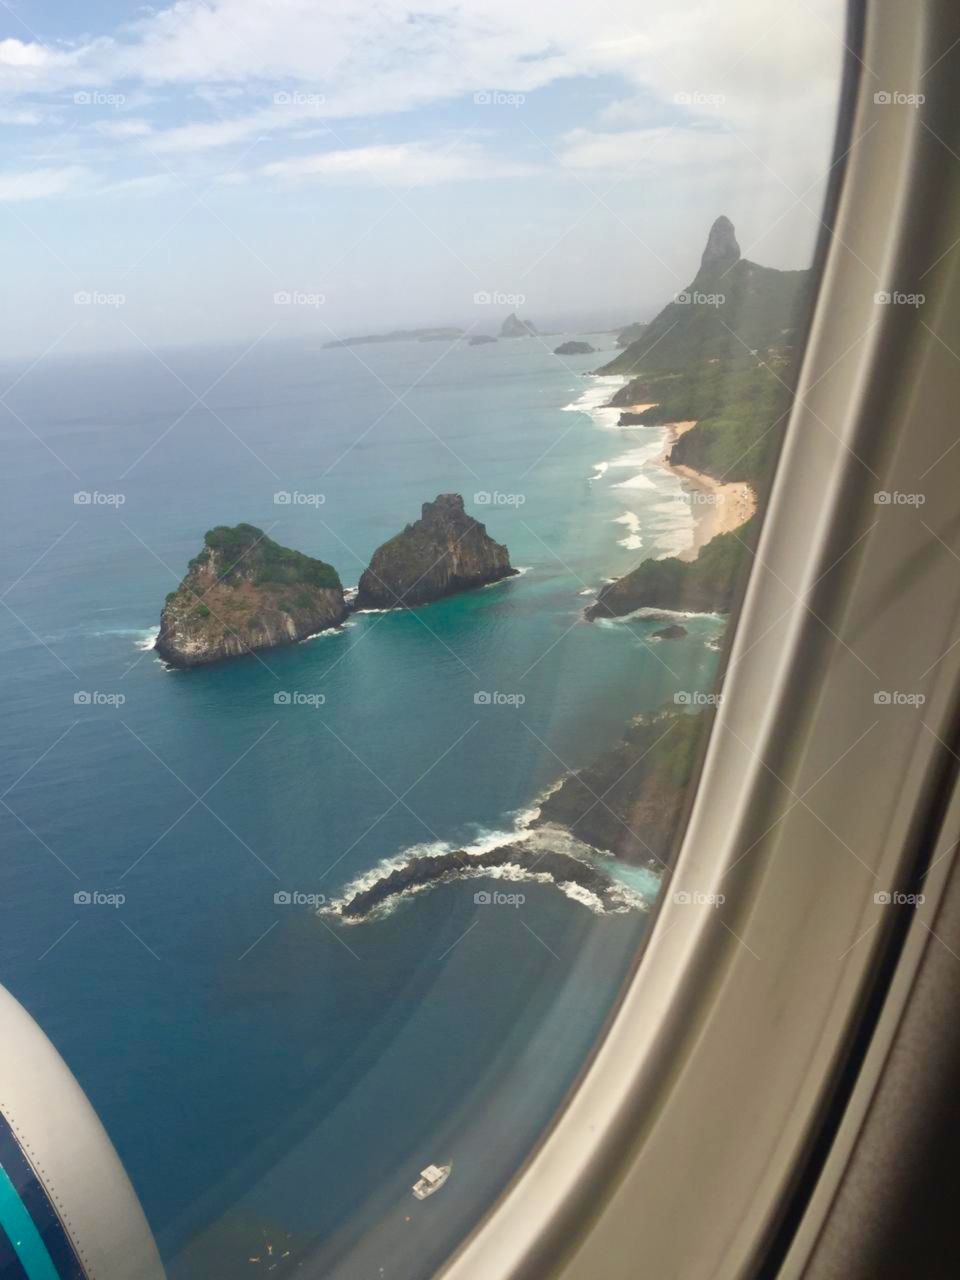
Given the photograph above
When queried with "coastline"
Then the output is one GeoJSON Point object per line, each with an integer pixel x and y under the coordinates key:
{"type": "Point", "coordinates": [717, 507]}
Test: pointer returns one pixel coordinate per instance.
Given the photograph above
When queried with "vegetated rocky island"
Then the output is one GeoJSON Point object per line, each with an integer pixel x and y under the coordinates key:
{"type": "Point", "coordinates": [444, 552]}
{"type": "Point", "coordinates": [244, 592]}
{"type": "Point", "coordinates": [574, 348]}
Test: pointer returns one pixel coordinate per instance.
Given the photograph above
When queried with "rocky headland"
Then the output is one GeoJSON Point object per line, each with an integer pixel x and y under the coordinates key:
{"type": "Point", "coordinates": [628, 804]}
{"type": "Point", "coordinates": [445, 552]}
{"type": "Point", "coordinates": [244, 592]}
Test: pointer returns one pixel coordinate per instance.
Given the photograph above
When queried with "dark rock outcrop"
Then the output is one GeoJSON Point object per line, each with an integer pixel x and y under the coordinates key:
{"type": "Point", "coordinates": [722, 250]}
{"type": "Point", "coordinates": [673, 632]}
{"type": "Point", "coordinates": [444, 552]}
{"type": "Point", "coordinates": [634, 420]}
{"type": "Point", "coordinates": [245, 592]}
{"type": "Point", "coordinates": [418, 873]}
{"type": "Point", "coordinates": [514, 327]}
{"type": "Point", "coordinates": [574, 348]}
{"type": "Point", "coordinates": [709, 584]}
{"type": "Point", "coordinates": [636, 391]}
{"type": "Point", "coordinates": [479, 340]}
{"type": "Point", "coordinates": [642, 785]}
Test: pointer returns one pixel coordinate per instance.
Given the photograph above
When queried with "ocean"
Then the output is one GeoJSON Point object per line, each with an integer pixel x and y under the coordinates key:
{"type": "Point", "coordinates": [274, 1078]}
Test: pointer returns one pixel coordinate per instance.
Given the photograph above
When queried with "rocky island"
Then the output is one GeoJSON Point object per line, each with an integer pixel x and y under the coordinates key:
{"type": "Point", "coordinates": [245, 592]}
{"type": "Point", "coordinates": [574, 348]}
{"type": "Point", "coordinates": [444, 552]}
{"type": "Point", "coordinates": [514, 327]}
{"type": "Point", "coordinates": [443, 334]}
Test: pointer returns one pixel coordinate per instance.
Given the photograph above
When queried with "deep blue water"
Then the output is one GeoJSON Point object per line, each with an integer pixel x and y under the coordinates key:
{"type": "Point", "coordinates": [264, 1072]}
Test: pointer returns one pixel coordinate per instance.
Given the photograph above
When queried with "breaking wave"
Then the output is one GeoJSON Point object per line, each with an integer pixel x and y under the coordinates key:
{"type": "Point", "coordinates": [547, 855]}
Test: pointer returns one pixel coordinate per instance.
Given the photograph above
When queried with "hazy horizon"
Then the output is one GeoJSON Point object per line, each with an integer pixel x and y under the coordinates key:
{"type": "Point", "coordinates": [168, 172]}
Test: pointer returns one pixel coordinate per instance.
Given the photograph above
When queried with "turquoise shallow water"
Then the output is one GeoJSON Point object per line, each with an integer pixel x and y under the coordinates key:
{"type": "Point", "coordinates": [259, 1068]}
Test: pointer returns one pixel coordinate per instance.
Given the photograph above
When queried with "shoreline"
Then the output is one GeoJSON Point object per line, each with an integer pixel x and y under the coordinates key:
{"type": "Point", "coordinates": [717, 507]}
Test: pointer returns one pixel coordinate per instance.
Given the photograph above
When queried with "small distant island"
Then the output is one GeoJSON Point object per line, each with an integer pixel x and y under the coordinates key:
{"type": "Point", "coordinates": [444, 552]}
{"type": "Point", "coordinates": [479, 339]}
{"type": "Point", "coordinates": [398, 335]}
{"type": "Point", "coordinates": [245, 592]}
{"type": "Point", "coordinates": [574, 348]}
{"type": "Point", "coordinates": [514, 327]}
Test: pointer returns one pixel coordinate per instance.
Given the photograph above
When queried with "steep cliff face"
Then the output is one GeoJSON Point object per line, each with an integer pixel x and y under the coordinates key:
{"type": "Point", "coordinates": [443, 552]}
{"type": "Point", "coordinates": [731, 306]}
{"type": "Point", "coordinates": [643, 783]}
{"type": "Point", "coordinates": [245, 592]}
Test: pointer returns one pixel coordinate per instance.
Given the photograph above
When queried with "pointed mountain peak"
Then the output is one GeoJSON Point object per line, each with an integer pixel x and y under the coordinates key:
{"type": "Point", "coordinates": [722, 249]}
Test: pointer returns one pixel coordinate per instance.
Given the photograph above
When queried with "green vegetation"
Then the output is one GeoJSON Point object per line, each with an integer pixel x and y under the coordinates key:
{"type": "Point", "coordinates": [726, 312]}
{"type": "Point", "coordinates": [708, 584]}
{"type": "Point", "coordinates": [643, 782]}
{"type": "Point", "coordinates": [739, 407]}
{"type": "Point", "coordinates": [245, 550]}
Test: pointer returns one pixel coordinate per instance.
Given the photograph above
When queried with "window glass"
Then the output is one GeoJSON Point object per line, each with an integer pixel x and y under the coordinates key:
{"type": "Point", "coordinates": [389, 400]}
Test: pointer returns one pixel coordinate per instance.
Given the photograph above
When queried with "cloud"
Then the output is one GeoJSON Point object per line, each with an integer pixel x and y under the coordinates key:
{"type": "Point", "coordinates": [642, 151]}
{"type": "Point", "coordinates": [39, 184]}
{"type": "Point", "coordinates": [133, 128]}
{"type": "Point", "coordinates": [405, 164]}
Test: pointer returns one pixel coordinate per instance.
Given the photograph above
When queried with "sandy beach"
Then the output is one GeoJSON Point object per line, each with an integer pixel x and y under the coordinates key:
{"type": "Point", "coordinates": [717, 508]}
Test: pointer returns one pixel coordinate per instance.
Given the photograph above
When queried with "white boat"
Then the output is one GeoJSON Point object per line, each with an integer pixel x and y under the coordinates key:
{"type": "Point", "coordinates": [431, 1179]}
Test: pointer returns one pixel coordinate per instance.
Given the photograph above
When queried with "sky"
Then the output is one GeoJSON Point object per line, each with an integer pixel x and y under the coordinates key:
{"type": "Point", "coordinates": [233, 170]}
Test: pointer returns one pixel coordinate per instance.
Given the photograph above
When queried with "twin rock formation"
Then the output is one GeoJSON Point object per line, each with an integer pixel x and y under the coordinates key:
{"type": "Point", "coordinates": [245, 592]}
